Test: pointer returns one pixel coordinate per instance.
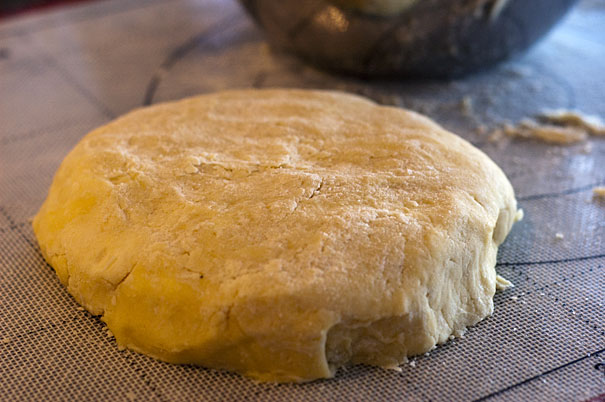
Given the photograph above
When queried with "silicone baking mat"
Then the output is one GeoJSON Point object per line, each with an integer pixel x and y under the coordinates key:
{"type": "Point", "coordinates": [69, 70]}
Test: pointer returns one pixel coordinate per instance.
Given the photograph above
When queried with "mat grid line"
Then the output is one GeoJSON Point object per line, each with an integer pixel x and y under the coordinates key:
{"type": "Point", "coordinates": [45, 328]}
{"type": "Point", "coordinates": [121, 7]}
{"type": "Point", "coordinates": [20, 232]}
{"type": "Point", "coordinates": [12, 227]}
{"type": "Point", "coordinates": [81, 89]}
{"type": "Point", "coordinates": [50, 130]}
{"type": "Point", "coordinates": [575, 190]}
{"type": "Point", "coordinates": [563, 279]}
{"type": "Point", "coordinates": [197, 40]}
{"type": "Point", "coordinates": [142, 375]}
{"type": "Point", "coordinates": [577, 316]}
{"type": "Point", "coordinates": [147, 382]}
{"type": "Point", "coordinates": [556, 261]}
{"type": "Point", "coordinates": [528, 380]}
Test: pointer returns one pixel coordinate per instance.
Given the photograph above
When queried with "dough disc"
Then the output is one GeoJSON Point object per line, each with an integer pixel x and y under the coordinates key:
{"type": "Point", "coordinates": [278, 233]}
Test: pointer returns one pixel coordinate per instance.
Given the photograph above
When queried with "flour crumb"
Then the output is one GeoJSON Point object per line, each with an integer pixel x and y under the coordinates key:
{"type": "Point", "coordinates": [503, 283]}
{"type": "Point", "coordinates": [514, 298]}
{"type": "Point", "coordinates": [574, 118]}
{"type": "Point", "coordinates": [550, 133]}
{"type": "Point", "coordinates": [559, 236]}
{"type": "Point", "coordinates": [412, 363]}
{"type": "Point", "coordinates": [5, 341]}
{"type": "Point", "coordinates": [599, 192]}
{"type": "Point", "coordinates": [131, 396]}
{"type": "Point", "coordinates": [496, 135]}
{"type": "Point", "coordinates": [560, 126]}
{"type": "Point", "coordinates": [194, 160]}
{"type": "Point", "coordinates": [191, 169]}
{"type": "Point", "coordinates": [466, 105]}
{"type": "Point", "coordinates": [80, 308]}
{"type": "Point", "coordinates": [481, 129]}
{"type": "Point", "coordinates": [395, 368]}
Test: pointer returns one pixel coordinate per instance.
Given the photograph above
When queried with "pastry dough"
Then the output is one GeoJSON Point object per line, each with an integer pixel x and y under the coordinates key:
{"type": "Point", "coordinates": [278, 233]}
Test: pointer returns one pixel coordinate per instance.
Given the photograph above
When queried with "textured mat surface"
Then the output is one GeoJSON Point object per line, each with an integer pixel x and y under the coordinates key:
{"type": "Point", "coordinates": [65, 72]}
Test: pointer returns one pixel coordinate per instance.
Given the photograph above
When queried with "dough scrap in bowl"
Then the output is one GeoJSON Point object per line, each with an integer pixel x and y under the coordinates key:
{"type": "Point", "coordinates": [278, 233]}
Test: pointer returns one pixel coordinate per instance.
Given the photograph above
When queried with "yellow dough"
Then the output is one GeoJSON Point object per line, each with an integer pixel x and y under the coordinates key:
{"type": "Point", "coordinates": [280, 234]}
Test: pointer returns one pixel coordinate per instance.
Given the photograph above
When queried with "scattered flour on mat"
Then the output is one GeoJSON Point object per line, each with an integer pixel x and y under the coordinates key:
{"type": "Point", "coordinates": [560, 126]}
{"type": "Point", "coordinates": [599, 192]}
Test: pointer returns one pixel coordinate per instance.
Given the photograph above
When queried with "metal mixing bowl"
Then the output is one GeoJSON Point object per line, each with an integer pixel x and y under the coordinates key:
{"type": "Point", "coordinates": [423, 38]}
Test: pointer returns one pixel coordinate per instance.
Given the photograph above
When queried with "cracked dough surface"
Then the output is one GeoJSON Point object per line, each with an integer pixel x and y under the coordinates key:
{"type": "Point", "coordinates": [278, 233]}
